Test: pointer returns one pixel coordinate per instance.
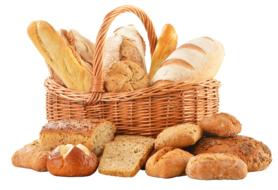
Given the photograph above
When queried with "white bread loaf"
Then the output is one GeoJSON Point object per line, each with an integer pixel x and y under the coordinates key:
{"type": "Point", "coordinates": [125, 44]}
{"type": "Point", "coordinates": [196, 61]}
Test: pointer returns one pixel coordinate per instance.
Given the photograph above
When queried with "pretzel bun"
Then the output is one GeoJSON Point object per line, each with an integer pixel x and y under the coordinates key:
{"type": "Point", "coordinates": [72, 160]}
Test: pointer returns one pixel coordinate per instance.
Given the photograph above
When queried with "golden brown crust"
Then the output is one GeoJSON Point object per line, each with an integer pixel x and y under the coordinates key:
{"type": "Point", "coordinates": [93, 133]}
{"type": "Point", "coordinates": [221, 124]}
{"type": "Point", "coordinates": [167, 162]}
{"type": "Point", "coordinates": [31, 156]}
{"type": "Point", "coordinates": [60, 57]}
{"type": "Point", "coordinates": [216, 166]}
{"type": "Point", "coordinates": [255, 154]}
{"type": "Point", "coordinates": [76, 163]}
{"type": "Point", "coordinates": [125, 76]}
{"type": "Point", "coordinates": [178, 136]}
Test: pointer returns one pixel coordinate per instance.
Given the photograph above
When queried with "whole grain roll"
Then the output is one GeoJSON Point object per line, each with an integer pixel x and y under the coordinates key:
{"type": "Point", "coordinates": [254, 153]}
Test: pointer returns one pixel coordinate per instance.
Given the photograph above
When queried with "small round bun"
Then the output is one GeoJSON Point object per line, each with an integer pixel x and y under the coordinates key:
{"type": "Point", "coordinates": [72, 160]}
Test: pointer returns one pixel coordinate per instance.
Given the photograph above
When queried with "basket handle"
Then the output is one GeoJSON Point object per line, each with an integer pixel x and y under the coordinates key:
{"type": "Point", "coordinates": [97, 84]}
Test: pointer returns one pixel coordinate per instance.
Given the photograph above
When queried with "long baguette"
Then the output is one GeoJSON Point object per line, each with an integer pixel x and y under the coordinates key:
{"type": "Point", "coordinates": [65, 62]}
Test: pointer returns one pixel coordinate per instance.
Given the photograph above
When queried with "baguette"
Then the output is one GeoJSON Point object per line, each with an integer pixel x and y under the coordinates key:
{"type": "Point", "coordinates": [65, 62]}
{"type": "Point", "coordinates": [166, 44]}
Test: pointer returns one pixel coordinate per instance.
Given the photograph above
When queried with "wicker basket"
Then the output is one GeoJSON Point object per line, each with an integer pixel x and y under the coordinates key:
{"type": "Point", "coordinates": [143, 112]}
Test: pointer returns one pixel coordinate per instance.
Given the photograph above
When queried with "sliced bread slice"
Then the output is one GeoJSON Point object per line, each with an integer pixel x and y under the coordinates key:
{"type": "Point", "coordinates": [125, 156]}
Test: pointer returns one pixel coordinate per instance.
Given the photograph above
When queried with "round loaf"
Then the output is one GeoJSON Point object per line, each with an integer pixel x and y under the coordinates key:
{"type": "Point", "coordinates": [70, 160]}
{"type": "Point", "coordinates": [255, 154]}
{"type": "Point", "coordinates": [125, 76]}
{"type": "Point", "coordinates": [167, 162]}
{"type": "Point", "coordinates": [221, 124]}
{"type": "Point", "coordinates": [216, 166]}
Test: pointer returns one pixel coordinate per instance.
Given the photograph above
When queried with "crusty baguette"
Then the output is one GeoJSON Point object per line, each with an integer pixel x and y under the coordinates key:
{"type": "Point", "coordinates": [92, 133]}
{"type": "Point", "coordinates": [83, 46]}
{"type": "Point", "coordinates": [178, 136]}
{"type": "Point", "coordinates": [125, 156]}
{"type": "Point", "coordinates": [216, 166]}
{"type": "Point", "coordinates": [66, 63]}
{"type": "Point", "coordinates": [196, 61]}
{"type": "Point", "coordinates": [31, 156]}
{"type": "Point", "coordinates": [255, 154]}
{"type": "Point", "coordinates": [168, 162]}
{"type": "Point", "coordinates": [166, 44]}
{"type": "Point", "coordinates": [221, 124]}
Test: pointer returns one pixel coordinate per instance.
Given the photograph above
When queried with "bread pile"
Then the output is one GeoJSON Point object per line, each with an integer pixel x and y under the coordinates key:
{"type": "Point", "coordinates": [210, 150]}
{"type": "Point", "coordinates": [69, 56]}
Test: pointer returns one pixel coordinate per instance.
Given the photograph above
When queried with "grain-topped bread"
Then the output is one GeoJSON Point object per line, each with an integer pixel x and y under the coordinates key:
{"type": "Point", "coordinates": [125, 156]}
{"type": "Point", "coordinates": [216, 166]}
{"type": "Point", "coordinates": [255, 154]}
{"type": "Point", "coordinates": [91, 133]}
{"type": "Point", "coordinates": [178, 136]}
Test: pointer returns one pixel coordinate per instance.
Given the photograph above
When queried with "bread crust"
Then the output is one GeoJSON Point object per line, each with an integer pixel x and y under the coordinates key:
{"type": "Point", "coordinates": [255, 154]}
{"type": "Point", "coordinates": [76, 163]}
{"type": "Point", "coordinates": [125, 76]}
{"type": "Point", "coordinates": [216, 166]}
{"type": "Point", "coordinates": [73, 131]}
{"type": "Point", "coordinates": [167, 162]}
{"type": "Point", "coordinates": [178, 136]}
{"type": "Point", "coordinates": [221, 124]}
{"type": "Point", "coordinates": [31, 156]}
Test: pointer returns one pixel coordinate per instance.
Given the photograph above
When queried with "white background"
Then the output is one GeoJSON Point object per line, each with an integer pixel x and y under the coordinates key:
{"type": "Point", "coordinates": [248, 30]}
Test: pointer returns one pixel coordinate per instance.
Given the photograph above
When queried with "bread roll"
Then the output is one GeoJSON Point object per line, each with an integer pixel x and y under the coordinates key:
{"type": "Point", "coordinates": [221, 124]}
{"type": "Point", "coordinates": [125, 76]}
{"type": "Point", "coordinates": [216, 166]}
{"type": "Point", "coordinates": [125, 44]}
{"type": "Point", "coordinates": [91, 133]}
{"type": "Point", "coordinates": [31, 156]}
{"type": "Point", "coordinates": [178, 136]}
{"type": "Point", "coordinates": [255, 154]}
{"type": "Point", "coordinates": [72, 160]}
{"type": "Point", "coordinates": [196, 61]}
{"type": "Point", "coordinates": [60, 57]}
{"type": "Point", "coordinates": [167, 162]}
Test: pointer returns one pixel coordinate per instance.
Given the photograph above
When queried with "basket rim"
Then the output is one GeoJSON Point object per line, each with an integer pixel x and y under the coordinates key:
{"type": "Point", "coordinates": [57, 89]}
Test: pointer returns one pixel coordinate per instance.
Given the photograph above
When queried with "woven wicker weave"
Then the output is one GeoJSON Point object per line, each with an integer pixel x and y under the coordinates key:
{"type": "Point", "coordinates": [143, 112]}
